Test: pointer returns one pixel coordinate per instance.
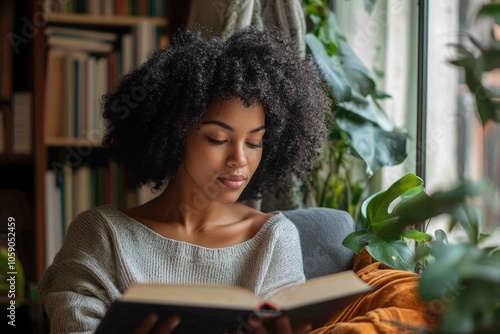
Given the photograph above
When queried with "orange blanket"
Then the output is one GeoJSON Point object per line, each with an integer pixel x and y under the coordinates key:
{"type": "Point", "coordinates": [392, 307]}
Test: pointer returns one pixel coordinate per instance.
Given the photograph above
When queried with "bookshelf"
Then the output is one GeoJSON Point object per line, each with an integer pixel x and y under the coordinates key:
{"type": "Point", "coordinates": [73, 152]}
{"type": "Point", "coordinates": [99, 48]}
{"type": "Point", "coordinates": [24, 71]}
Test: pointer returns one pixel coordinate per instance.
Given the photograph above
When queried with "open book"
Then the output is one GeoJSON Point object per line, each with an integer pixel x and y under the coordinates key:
{"type": "Point", "coordinates": [220, 309]}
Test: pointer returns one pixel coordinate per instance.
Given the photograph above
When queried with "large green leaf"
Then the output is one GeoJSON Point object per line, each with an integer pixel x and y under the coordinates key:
{"type": "Point", "coordinates": [490, 10]}
{"type": "Point", "coordinates": [377, 208]}
{"type": "Point", "coordinates": [344, 71]}
{"type": "Point", "coordinates": [357, 240]}
{"type": "Point", "coordinates": [372, 136]}
{"type": "Point", "coordinates": [364, 108]}
{"type": "Point", "coordinates": [464, 281]}
{"type": "Point", "coordinates": [468, 218]}
{"type": "Point", "coordinates": [417, 235]}
{"type": "Point", "coordinates": [444, 271]}
{"type": "Point", "coordinates": [330, 69]}
{"type": "Point", "coordinates": [330, 34]}
{"type": "Point", "coordinates": [455, 320]}
{"type": "Point", "coordinates": [490, 58]}
{"type": "Point", "coordinates": [487, 105]}
{"type": "Point", "coordinates": [419, 208]}
{"type": "Point", "coordinates": [376, 147]}
{"type": "Point", "coordinates": [441, 236]}
{"type": "Point", "coordinates": [394, 253]}
{"type": "Point", "coordinates": [356, 72]}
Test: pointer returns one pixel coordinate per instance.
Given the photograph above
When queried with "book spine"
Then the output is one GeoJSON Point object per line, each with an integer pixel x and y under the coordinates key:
{"type": "Point", "coordinates": [21, 128]}
{"type": "Point", "coordinates": [53, 223]}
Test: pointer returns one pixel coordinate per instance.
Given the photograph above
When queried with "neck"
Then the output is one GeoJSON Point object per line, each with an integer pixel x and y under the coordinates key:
{"type": "Point", "coordinates": [188, 206]}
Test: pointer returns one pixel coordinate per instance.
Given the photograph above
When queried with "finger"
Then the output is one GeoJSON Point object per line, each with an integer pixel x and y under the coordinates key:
{"type": "Point", "coordinates": [284, 326]}
{"type": "Point", "coordinates": [146, 325]}
{"type": "Point", "coordinates": [168, 325]}
{"type": "Point", "coordinates": [303, 329]}
{"type": "Point", "coordinates": [256, 324]}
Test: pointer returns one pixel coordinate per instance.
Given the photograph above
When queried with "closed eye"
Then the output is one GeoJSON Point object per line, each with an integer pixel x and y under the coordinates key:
{"type": "Point", "coordinates": [216, 142]}
{"type": "Point", "coordinates": [254, 145]}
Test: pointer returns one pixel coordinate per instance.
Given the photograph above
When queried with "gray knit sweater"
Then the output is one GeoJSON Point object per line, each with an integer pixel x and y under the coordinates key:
{"type": "Point", "coordinates": [105, 251]}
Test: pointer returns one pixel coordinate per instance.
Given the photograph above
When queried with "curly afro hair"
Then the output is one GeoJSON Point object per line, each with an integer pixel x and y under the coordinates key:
{"type": "Point", "coordinates": [149, 112]}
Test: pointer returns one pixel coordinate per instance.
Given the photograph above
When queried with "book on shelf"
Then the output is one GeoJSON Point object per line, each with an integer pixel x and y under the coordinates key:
{"type": "Point", "coordinates": [80, 44]}
{"type": "Point", "coordinates": [82, 66]}
{"type": "Point", "coordinates": [81, 181]}
{"type": "Point", "coordinates": [21, 123]}
{"type": "Point", "coordinates": [146, 39]}
{"type": "Point", "coordinates": [53, 95]}
{"type": "Point", "coordinates": [128, 55]}
{"type": "Point", "coordinates": [70, 190]}
{"type": "Point", "coordinates": [108, 7]}
{"type": "Point", "coordinates": [218, 309]}
{"type": "Point", "coordinates": [6, 130]}
{"type": "Point", "coordinates": [74, 83]}
{"type": "Point", "coordinates": [76, 33]}
{"type": "Point", "coordinates": [54, 233]}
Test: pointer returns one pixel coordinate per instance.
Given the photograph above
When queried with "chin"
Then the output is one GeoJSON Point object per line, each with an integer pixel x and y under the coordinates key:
{"type": "Point", "coordinates": [228, 199]}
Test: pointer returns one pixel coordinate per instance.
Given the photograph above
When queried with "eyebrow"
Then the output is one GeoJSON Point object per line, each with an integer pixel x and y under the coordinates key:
{"type": "Point", "coordinates": [230, 128]}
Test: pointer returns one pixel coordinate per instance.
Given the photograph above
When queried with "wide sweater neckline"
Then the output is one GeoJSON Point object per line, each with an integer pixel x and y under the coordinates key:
{"type": "Point", "coordinates": [115, 214]}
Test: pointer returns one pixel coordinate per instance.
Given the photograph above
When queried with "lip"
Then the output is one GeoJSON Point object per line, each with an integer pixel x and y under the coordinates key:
{"type": "Point", "coordinates": [233, 181]}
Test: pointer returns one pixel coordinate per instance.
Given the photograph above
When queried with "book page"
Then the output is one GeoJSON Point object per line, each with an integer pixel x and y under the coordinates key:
{"type": "Point", "coordinates": [319, 289]}
{"type": "Point", "coordinates": [193, 295]}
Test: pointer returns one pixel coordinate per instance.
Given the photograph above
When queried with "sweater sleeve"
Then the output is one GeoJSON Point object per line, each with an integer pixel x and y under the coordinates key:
{"type": "Point", "coordinates": [284, 265]}
{"type": "Point", "coordinates": [78, 287]}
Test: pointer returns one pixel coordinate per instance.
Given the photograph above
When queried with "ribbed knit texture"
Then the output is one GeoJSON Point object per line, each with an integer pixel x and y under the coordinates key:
{"type": "Point", "coordinates": [105, 251]}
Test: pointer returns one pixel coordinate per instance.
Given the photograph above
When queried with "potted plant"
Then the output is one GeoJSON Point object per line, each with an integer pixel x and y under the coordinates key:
{"type": "Point", "coordinates": [360, 130]}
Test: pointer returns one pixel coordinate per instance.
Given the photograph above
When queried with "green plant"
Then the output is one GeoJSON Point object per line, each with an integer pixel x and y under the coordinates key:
{"type": "Point", "coordinates": [460, 281]}
{"type": "Point", "coordinates": [387, 215]}
{"type": "Point", "coordinates": [462, 284]}
{"type": "Point", "coordinates": [8, 264]}
{"type": "Point", "coordinates": [360, 130]}
{"type": "Point", "coordinates": [477, 58]}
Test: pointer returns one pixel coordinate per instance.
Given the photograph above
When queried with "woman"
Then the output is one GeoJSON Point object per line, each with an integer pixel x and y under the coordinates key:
{"type": "Point", "coordinates": [216, 122]}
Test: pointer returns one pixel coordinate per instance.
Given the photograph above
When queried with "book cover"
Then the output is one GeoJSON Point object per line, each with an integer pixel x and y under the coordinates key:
{"type": "Point", "coordinates": [219, 309]}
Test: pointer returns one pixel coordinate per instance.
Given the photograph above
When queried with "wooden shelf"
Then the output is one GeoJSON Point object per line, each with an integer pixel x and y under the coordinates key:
{"type": "Point", "coordinates": [63, 142]}
{"type": "Point", "coordinates": [16, 159]}
{"type": "Point", "coordinates": [104, 20]}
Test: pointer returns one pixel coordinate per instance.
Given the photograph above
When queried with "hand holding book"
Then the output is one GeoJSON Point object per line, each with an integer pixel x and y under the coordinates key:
{"type": "Point", "coordinates": [150, 322]}
{"type": "Point", "coordinates": [282, 323]}
{"type": "Point", "coordinates": [216, 309]}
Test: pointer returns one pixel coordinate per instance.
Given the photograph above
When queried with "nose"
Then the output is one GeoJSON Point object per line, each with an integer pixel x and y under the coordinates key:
{"type": "Point", "coordinates": [237, 157]}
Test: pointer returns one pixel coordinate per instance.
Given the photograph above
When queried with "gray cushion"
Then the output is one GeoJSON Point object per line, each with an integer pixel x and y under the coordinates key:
{"type": "Point", "coordinates": [322, 231]}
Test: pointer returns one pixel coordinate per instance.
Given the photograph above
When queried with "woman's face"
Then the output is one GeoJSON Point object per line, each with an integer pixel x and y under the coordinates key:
{"type": "Point", "coordinates": [223, 153]}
